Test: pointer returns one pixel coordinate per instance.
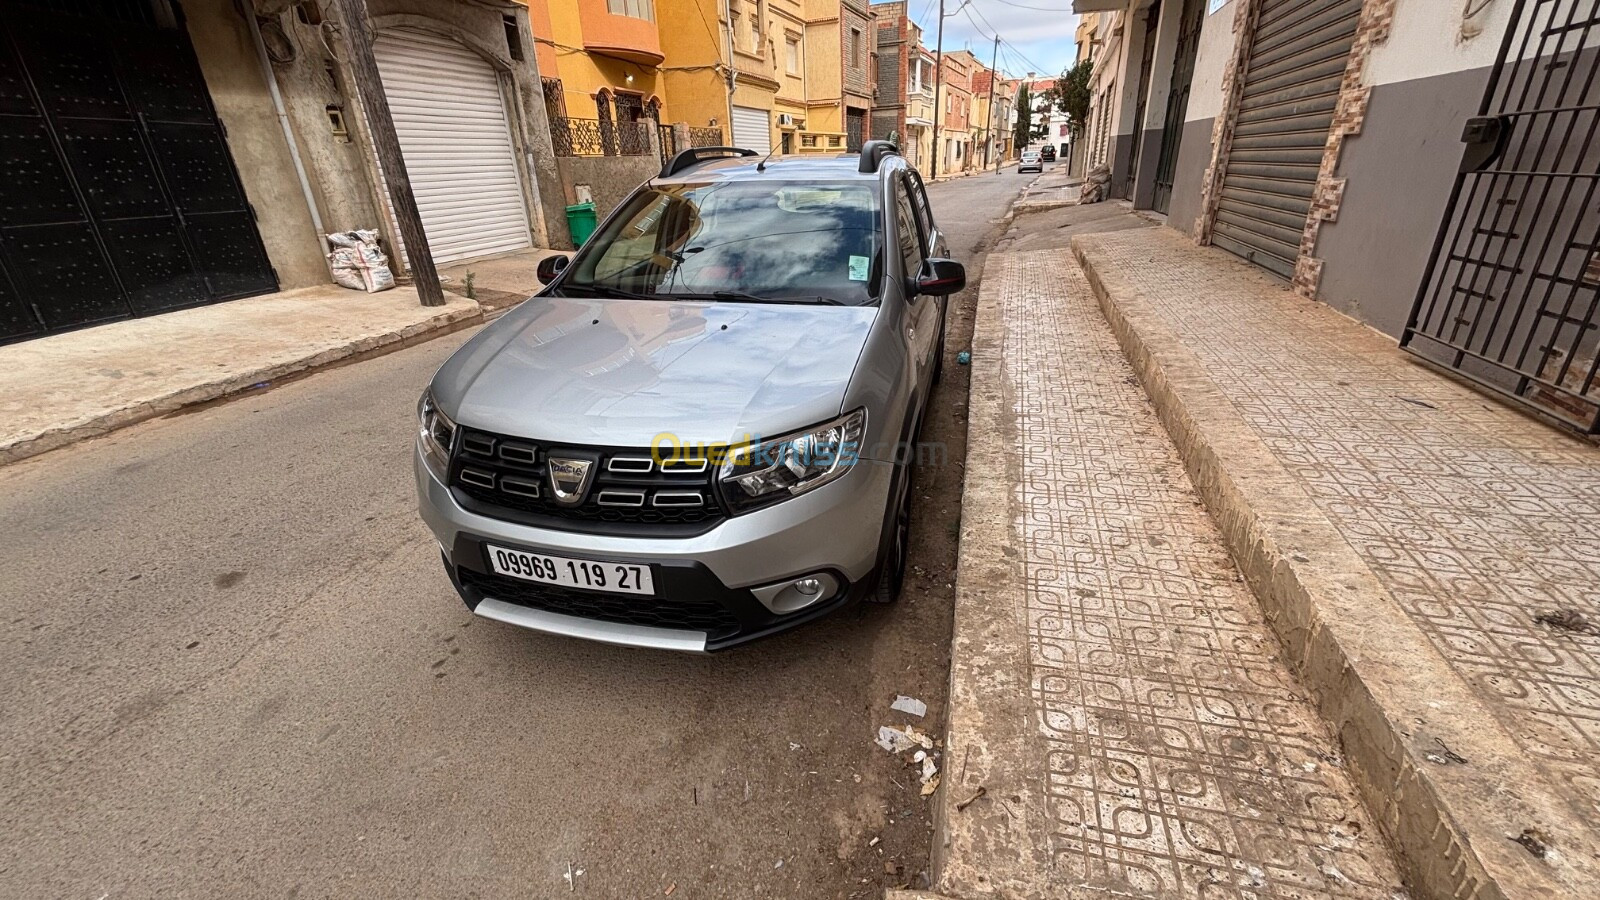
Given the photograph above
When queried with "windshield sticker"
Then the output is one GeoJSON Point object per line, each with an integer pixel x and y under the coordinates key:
{"type": "Point", "coordinates": [858, 268]}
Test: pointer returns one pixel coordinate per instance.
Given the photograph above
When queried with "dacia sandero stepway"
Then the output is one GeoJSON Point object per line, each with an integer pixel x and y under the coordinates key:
{"type": "Point", "coordinates": [700, 432]}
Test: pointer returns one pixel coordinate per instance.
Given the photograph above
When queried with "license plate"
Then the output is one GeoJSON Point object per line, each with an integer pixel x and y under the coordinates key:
{"type": "Point", "coordinates": [583, 574]}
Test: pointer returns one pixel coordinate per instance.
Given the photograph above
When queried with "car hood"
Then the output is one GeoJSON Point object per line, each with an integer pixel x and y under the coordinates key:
{"type": "Point", "coordinates": [618, 373]}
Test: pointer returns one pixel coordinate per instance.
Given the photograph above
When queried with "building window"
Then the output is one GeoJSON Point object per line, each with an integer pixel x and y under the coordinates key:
{"type": "Point", "coordinates": [755, 33]}
{"type": "Point", "coordinates": [638, 9]}
{"type": "Point", "coordinates": [513, 37]}
{"type": "Point", "coordinates": [855, 47]}
{"type": "Point", "coordinates": [791, 50]}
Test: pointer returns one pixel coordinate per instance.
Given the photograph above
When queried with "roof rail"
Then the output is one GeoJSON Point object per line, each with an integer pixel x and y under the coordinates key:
{"type": "Point", "coordinates": [873, 152]}
{"type": "Point", "coordinates": [696, 155]}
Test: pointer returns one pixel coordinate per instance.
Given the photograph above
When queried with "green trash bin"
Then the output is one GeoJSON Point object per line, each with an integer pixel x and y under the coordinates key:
{"type": "Point", "coordinates": [581, 222]}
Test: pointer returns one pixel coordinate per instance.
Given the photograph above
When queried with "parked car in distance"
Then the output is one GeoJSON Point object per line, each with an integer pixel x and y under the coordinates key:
{"type": "Point", "coordinates": [1048, 152]}
{"type": "Point", "coordinates": [697, 434]}
{"type": "Point", "coordinates": [1031, 162]}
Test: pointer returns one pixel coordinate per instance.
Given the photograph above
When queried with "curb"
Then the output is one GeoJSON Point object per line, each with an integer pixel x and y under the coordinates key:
{"type": "Point", "coordinates": [366, 347]}
{"type": "Point", "coordinates": [1387, 693]}
{"type": "Point", "coordinates": [995, 847]}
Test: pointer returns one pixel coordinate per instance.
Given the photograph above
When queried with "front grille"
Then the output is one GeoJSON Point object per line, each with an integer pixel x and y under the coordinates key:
{"type": "Point", "coordinates": [631, 493]}
{"type": "Point", "coordinates": [629, 609]}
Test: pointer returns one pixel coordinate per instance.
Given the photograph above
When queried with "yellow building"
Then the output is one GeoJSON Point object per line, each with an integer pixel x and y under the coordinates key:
{"type": "Point", "coordinates": [599, 61]}
{"type": "Point", "coordinates": [800, 70]}
{"type": "Point", "coordinates": [703, 41]}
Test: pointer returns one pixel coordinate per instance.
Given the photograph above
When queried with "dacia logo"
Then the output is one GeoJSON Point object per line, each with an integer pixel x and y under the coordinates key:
{"type": "Point", "coordinates": [569, 479]}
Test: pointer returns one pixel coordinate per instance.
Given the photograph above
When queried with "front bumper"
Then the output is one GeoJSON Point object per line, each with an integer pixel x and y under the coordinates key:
{"type": "Point", "coordinates": [704, 583]}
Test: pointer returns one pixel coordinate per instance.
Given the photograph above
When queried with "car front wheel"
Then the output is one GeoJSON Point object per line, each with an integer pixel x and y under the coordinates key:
{"type": "Point", "coordinates": [892, 576]}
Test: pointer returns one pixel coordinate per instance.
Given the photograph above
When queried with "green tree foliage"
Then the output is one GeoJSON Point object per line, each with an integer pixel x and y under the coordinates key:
{"type": "Point", "coordinates": [1021, 132]}
{"type": "Point", "coordinates": [1071, 93]}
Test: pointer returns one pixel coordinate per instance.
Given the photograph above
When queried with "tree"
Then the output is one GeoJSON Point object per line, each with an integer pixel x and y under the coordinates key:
{"type": "Point", "coordinates": [1022, 131]}
{"type": "Point", "coordinates": [1071, 93]}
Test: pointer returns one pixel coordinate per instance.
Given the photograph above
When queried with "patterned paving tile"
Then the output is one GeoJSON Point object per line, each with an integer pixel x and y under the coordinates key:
{"type": "Point", "coordinates": [1476, 518]}
{"type": "Point", "coordinates": [1183, 759]}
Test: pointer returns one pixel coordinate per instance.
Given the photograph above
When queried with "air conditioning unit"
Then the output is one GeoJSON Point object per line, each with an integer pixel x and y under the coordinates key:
{"type": "Point", "coordinates": [785, 119]}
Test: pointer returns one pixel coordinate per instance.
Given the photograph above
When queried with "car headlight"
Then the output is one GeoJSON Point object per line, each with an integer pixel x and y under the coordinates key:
{"type": "Point", "coordinates": [436, 433]}
{"type": "Point", "coordinates": [763, 474]}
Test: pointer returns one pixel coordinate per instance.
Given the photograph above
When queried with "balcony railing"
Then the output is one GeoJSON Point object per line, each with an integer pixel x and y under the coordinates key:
{"type": "Point", "coordinates": [597, 137]}
{"type": "Point", "coordinates": [705, 137]}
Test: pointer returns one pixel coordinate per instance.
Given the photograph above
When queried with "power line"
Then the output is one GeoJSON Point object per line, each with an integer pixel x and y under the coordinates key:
{"type": "Point", "coordinates": [1038, 8]}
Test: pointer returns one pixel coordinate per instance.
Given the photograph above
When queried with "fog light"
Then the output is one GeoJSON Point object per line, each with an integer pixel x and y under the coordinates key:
{"type": "Point", "coordinates": [797, 593]}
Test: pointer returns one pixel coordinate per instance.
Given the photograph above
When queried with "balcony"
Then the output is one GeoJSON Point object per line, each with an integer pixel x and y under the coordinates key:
{"type": "Point", "coordinates": [621, 29]}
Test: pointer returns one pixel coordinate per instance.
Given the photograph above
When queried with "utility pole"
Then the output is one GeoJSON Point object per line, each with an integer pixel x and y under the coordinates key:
{"type": "Point", "coordinates": [727, 17]}
{"type": "Point", "coordinates": [988, 127]}
{"type": "Point", "coordinates": [386, 144]}
{"type": "Point", "coordinates": [938, 88]}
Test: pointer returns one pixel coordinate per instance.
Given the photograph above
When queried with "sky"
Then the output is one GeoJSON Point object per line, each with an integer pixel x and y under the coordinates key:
{"type": "Point", "coordinates": [1035, 35]}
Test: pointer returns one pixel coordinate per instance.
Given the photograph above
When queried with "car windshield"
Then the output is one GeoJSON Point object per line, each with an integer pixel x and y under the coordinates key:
{"type": "Point", "coordinates": [740, 241]}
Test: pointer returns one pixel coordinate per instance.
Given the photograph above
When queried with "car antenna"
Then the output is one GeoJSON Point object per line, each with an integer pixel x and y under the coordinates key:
{"type": "Point", "coordinates": [762, 166]}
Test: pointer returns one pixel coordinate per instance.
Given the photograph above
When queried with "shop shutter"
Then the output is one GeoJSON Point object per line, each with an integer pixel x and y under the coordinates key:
{"type": "Point", "coordinates": [1291, 86]}
{"type": "Point", "coordinates": [752, 129]}
{"type": "Point", "coordinates": [452, 126]}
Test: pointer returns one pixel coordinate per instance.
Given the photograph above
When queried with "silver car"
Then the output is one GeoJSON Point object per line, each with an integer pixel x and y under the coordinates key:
{"type": "Point", "coordinates": [701, 431]}
{"type": "Point", "coordinates": [1031, 161]}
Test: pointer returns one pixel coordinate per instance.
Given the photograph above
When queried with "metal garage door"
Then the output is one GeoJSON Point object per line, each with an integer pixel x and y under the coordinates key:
{"type": "Point", "coordinates": [457, 144]}
{"type": "Point", "coordinates": [118, 196]}
{"type": "Point", "coordinates": [1297, 59]}
{"type": "Point", "coordinates": [752, 129]}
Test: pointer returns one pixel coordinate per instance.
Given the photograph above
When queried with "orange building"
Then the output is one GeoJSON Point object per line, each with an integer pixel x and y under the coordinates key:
{"type": "Point", "coordinates": [599, 61]}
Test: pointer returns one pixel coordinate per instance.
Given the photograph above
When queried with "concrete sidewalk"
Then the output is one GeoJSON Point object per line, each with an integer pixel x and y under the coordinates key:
{"type": "Point", "coordinates": [1429, 558]}
{"type": "Point", "coordinates": [500, 281]}
{"type": "Point", "coordinates": [64, 388]}
{"type": "Point", "coordinates": [1052, 189]}
{"type": "Point", "coordinates": [1121, 720]}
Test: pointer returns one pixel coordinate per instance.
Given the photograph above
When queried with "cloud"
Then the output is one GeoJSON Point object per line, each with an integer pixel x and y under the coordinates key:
{"type": "Point", "coordinates": [1034, 40]}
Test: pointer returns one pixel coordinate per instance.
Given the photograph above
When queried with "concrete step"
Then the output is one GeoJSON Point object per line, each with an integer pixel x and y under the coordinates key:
{"type": "Point", "coordinates": [1404, 535]}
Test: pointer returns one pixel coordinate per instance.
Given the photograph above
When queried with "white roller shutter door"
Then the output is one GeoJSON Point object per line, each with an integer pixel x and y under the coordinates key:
{"type": "Point", "coordinates": [457, 144]}
{"type": "Point", "coordinates": [752, 129]}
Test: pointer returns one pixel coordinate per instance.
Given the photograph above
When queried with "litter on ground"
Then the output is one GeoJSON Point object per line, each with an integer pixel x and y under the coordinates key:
{"type": "Point", "coordinates": [909, 705]}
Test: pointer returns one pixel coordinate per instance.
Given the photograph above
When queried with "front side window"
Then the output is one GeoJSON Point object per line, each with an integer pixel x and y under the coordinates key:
{"type": "Point", "coordinates": [774, 240]}
{"type": "Point", "coordinates": [908, 237]}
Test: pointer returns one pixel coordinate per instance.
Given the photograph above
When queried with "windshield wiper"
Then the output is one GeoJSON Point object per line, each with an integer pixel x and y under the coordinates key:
{"type": "Point", "coordinates": [756, 298]}
{"type": "Point", "coordinates": [606, 290]}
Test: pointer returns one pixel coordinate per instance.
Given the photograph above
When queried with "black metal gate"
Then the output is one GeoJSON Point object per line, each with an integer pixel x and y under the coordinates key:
{"type": "Point", "coordinates": [1509, 299]}
{"type": "Point", "coordinates": [119, 197]}
{"type": "Point", "coordinates": [1193, 16]}
{"type": "Point", "coordinates": [854, 125]}
{"type": "Point", "coordinates": [1152, 24]}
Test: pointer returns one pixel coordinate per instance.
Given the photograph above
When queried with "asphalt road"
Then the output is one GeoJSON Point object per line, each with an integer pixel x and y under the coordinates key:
{"type": "Point", "coordinates": [234, 667]}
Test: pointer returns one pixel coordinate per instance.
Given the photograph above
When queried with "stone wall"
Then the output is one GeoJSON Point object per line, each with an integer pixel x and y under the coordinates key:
{"type": "Point", "coordinates": [610, 179]}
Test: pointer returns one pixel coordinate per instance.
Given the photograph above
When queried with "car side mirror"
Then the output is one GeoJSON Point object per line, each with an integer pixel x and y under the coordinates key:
{"type": "Point", "coordinates": [550, 267]}
{"type": "Point", "coordinates": [940, 277]}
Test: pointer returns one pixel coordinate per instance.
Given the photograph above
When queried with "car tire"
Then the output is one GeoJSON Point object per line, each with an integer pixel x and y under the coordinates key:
{"type": "Point", "coordinates": [892, 573]}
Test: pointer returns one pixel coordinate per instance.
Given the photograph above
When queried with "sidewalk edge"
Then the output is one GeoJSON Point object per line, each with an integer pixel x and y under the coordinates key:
{"type": "Point", "coordinates": [364, 347]}
{"type": "Point", "coordinates": [1382, 686]}
{"type": "Point", "coordinates": [991, 848]}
